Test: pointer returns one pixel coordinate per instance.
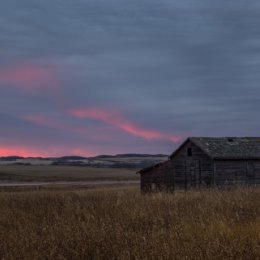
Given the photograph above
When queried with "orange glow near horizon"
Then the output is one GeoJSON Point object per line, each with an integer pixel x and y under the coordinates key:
{"type": "Point", "coordinates": [51, 152]}
{"type": "Point", "coordinates": [20, 151]}
{"type": "Point", "coordinates": [28, 76]}
{"type": "Point", "coordinates": [118, 121]}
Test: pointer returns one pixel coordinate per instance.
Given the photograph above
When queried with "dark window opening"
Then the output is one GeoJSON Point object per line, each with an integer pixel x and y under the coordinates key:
{"type": "Point", "coordinates": [230, 140]}
{"type": "Point", "coordinates": [189, 152]}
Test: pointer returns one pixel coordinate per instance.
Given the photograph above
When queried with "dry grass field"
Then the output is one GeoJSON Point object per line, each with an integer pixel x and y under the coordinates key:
{"type": "Point", "coordinates": [64, 173]}
{"type": "Point", "coordinates": [119, 223]}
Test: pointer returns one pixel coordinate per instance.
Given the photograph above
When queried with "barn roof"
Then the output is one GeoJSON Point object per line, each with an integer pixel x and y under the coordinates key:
{"type": "Point", "coordinates": [236, 148]}
{"type": "Point", "coordinates": [151, 167]}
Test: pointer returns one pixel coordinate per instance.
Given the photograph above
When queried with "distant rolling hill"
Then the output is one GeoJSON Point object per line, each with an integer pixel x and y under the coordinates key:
{"type": "Point", "coordinates": [113, 161]}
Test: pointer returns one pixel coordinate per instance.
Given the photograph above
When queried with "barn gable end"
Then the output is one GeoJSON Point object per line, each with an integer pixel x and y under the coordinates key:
{"type": "Point", "coordinates": [192, 166]}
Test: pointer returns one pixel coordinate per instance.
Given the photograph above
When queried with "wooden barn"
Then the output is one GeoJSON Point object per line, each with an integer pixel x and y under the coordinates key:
{"type": "Point", "coordinates": [206, 161]}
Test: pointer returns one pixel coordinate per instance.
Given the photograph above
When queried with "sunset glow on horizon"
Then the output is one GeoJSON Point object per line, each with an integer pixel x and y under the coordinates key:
{"type": "Point", "coordinates": [51, 152]}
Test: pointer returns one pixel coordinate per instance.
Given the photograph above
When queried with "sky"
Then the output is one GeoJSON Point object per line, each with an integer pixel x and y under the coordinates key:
{"type": "Point", "coordinates": [89, 77]}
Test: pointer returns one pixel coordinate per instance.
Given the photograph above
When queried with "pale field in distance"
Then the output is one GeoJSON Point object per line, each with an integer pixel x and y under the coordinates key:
{"type": "Point", "coordinates": [65, 173]}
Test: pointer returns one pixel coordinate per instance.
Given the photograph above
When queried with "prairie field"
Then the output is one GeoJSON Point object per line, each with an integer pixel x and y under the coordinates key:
{"type": "Point", "coordinates": [120, 223]}
{"type": "Point", "coordinates": [64, 173]}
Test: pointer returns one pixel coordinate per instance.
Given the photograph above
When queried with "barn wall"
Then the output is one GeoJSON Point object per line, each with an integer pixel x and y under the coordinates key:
{"type": "Point", "coordinates": [237, 171]}
{"type": "Point", "coordinates": [158, 178]}
{"type": "Point", "coordinates": [253, 171]}
{"type": "Point", "coordinates": [195, 170]}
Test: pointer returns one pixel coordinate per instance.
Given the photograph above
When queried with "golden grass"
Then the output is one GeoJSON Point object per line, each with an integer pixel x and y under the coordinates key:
{"type": "Point", "coordinates": [119, 223]}
{"type": "Point", "coordinates": [64, 173]}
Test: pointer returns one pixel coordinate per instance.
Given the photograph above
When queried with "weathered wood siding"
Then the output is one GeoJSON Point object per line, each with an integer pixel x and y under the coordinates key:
{"type": "Point", "coordinates": [237, 172]}
{"type": "Point", "coordinates": [158, 178]}
{"type": "Point", "coordinates": [195, 170]}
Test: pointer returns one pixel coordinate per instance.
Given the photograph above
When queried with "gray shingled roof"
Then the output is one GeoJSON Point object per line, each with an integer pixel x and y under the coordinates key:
{"type": "Point", "coordinates": [229, 147]}
{"type": "Point", "coordinates": [150, 167]}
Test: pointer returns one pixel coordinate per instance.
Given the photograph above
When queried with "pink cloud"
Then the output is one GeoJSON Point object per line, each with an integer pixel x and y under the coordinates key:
{"type": "Point", "coordinates": [43, 121]}
{"type": "Point", "coordinates": [122, 123]}
{"type": "Point", "coordinates": [29, 76]}
{"type": "Point", "coordinates": [94, 132]}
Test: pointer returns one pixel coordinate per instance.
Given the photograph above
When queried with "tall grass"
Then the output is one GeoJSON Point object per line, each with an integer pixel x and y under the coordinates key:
{"type": "Point", "coordinates": [117, 223]}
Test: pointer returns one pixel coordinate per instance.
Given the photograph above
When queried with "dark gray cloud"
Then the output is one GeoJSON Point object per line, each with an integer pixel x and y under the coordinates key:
{"type": "Point", "coordinates": [183, 68]}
